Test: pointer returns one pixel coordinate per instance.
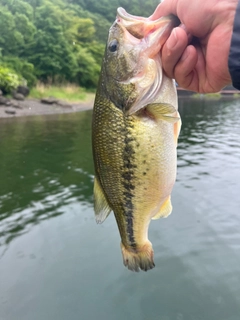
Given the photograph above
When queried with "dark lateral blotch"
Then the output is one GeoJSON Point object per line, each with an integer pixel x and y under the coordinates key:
{"type": "Point", "coordinates": [128, 194]}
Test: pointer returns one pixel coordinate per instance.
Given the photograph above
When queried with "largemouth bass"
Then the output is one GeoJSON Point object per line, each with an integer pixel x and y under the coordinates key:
{"type": "Point", "coordinates": [134, 134]}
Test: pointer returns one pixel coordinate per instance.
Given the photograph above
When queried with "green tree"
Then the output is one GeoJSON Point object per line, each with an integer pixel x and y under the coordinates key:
{"type": "Point", "coordinates": [19, 6]}
{"type": "Point", "coordinates": [10, 37]}
{"type": "Point", "coordinates": [102, 26]}
{"type": "Point", "coordinates": [26, 29]}
{"type": "Point", "coordinates": [21, 67]}
{"type": "Point", "coordinates": [104, 7]}
{"type": "Point", "coordinates": [60, 40]}
{"type": "Point", "coordinates": [50, 51]}
{"type": "Point", "coordinates": [9, 80]}
{"type": "Point", "coordinates": [88, 69]}
{"type": "Point", "coordinates": [80, 30]}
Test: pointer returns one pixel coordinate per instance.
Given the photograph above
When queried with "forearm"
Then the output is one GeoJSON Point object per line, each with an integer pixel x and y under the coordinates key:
{"type": "Point", "coordinates": [234, 54]}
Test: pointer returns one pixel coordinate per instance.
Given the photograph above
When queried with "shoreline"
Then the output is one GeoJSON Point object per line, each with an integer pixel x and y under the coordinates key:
{"type": "Point", "coordinates": [34, 107]}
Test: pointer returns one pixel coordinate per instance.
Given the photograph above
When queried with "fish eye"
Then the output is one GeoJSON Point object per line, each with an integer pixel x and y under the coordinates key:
{"type": "Point", "coordinates": [113, 46]}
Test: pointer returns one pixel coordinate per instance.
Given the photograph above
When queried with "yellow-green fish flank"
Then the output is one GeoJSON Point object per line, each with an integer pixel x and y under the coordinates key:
{"type": "Point", "coordinates": [134, 136]}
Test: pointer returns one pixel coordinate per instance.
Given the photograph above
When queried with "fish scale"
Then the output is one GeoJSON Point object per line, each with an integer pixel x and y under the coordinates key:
{"type": "Point", "coordinates": [134, 154]}
{"type": "Point", "coordinates": [116, 159]}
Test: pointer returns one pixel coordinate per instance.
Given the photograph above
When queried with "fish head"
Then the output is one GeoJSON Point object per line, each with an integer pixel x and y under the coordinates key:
{"type": "Point", "coordinates": [120, 65]}
{"type": "Point", "coordinates": [132, 71]}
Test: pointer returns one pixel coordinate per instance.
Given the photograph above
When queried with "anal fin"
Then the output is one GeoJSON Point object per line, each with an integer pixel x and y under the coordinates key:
{"type": "Point", "coordinates": [101, 206]}
{"type": "Point", "coordinates": [165, 210]}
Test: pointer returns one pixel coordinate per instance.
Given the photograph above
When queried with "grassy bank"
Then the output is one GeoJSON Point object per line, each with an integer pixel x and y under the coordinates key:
{"type": "Point", "coordinates": [216, 95]}
{"type": "Point", "coordinates": [69, 92]}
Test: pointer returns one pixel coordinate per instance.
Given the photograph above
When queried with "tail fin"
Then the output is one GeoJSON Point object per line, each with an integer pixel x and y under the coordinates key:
{"type": "Point", "coordinates": [136, 259]}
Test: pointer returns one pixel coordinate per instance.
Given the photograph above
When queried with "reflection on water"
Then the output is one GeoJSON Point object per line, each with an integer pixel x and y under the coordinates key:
{"type": "Point", "coordinates": [56, 263]}
{"type": "Point", "coordinates": [212, 133]}
{"type": "Point", "coordinates": [45, 163]}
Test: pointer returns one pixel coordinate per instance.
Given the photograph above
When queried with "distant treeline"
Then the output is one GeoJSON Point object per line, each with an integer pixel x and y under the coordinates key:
{"type": "Point", "coordinates": [59, 41]}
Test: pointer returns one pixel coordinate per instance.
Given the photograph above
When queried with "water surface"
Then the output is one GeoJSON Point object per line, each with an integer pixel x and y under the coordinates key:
{"type": "Point", "coordinates": [56, 263]}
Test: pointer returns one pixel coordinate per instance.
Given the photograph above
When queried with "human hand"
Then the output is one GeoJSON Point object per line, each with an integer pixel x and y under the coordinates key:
{"type": "Point", "coordinates": [196, 52]}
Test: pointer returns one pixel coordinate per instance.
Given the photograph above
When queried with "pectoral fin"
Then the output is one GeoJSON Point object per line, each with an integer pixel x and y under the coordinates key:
{"type": "Point", "coordinates": [165, 209]}
{"type": "Point", "coordinates": [101, 206]}
{"type": "Point", "coordinates": [163, 111]}
{"type": "Point", "coordinates": [177, 128]}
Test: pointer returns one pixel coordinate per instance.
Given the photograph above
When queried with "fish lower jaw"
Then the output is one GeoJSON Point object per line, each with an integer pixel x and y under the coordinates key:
{"type": "Point", "coordinates": [138, 259]}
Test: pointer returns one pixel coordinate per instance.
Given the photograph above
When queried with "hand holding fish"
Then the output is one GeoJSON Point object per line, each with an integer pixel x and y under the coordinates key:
{"type": "Point", "coordinates": [202, 64]}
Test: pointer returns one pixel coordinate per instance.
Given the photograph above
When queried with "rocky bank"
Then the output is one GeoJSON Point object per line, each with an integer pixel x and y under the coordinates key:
{"type": "Point", "coordinates": [19, 105]}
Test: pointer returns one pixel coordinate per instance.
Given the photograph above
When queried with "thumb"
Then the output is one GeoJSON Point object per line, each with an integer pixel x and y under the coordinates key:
{"type": "Point", "coordinates": [165, 8]}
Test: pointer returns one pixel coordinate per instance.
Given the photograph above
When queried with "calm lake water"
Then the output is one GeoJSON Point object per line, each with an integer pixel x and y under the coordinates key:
{"type": "Point", "coordinates": [56, 263]}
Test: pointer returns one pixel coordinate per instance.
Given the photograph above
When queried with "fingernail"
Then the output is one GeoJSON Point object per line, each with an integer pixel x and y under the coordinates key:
{"type": "Point", "coordinates": [172, 41]}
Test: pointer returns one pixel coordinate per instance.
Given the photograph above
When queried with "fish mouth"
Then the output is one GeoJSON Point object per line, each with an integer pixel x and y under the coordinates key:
{"type": "Point", "coordinates": [122, 13]}
{"type": "Point", "coordinates": [144, 72]}
{"type": "Point", "coordinates": [152, 34]}
{"type": "Point", "coordinates": [141, 27]}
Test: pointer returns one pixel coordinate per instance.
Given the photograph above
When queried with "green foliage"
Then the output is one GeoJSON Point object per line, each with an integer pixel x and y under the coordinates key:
{"type": "Point", "coordinates": [67, 92]}
{"type": "Point", "coordinates": [104, 7]}
{"type": "Point", "coordinates": [96, 50]}
{"type": "Point", "coordinates": [139, 7]}
{"type": "Point", "coordinates": [108, 8]}
{"type": "Point", "coordinates": [81, 30]}
{"type": "Point", "coordinates": [25, 27]}
{"type": "Point", "coordinates": [10, 38]}
{"type": "Point", "coordinates": [102, 26]}
{"type": "Point", "coordinates": [52, 56]}
{"type": "Point", "coordinates": [21, 66]}
{"type": "Point", "coordinates": [59, 41]}
{"type": "Point", "coordinates": [19, 7]}
{"type": "Point", "coordinates": [88, 69]}
{"type": "Point", "coordinates": [9, 80]}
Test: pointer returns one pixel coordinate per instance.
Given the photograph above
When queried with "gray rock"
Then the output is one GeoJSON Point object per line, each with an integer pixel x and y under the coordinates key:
{"type": "Point", "coordinates": [15, 104]}
{"type": "Point", "coordinates": [1, 92]}
{"type": "Point", "coordinates": [10, 111]}
{"type": "Point", "coordinates": [24, 90]}
{"type": "Point", "coordinates": [64, 104]}
{"type": "Point", "coordinates": [3, 100]}
{"type": "Point", "coordinates": [18, 96]}
{"type": "Point", "coordinates": [50, 100]}
{"type": "Point", "coordinates": [8, 103]}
